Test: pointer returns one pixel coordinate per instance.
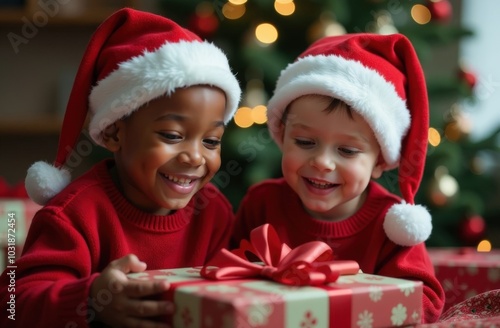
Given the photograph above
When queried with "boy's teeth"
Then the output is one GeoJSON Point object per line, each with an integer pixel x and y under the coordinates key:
{"type": "Point", "coordinates": [319, 184]}
{"type": "Point", "coordinates": [181, 181]}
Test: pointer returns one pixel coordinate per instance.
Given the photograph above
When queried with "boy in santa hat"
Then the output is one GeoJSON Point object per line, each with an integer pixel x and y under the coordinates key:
{"type": "Point", "coordinates": [158, 98]}
{"type": "Point", "coordinates": [348, 109]}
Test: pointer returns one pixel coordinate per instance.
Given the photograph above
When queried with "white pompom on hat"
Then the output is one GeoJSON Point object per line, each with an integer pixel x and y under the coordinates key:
{"type": "Point", "coordinates": [131, 59]}
{"type": "Point", "coordinates": [379, 77]}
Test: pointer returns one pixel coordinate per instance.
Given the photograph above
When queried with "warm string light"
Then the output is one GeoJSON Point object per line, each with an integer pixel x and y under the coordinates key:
{"type": "Point", "coordinates": [266, 33]}
{"type": "Point", "coordinates": [232, 10]}
{"type": "Point", "coordinates": [284, 7]}
{"type": "Point", "coordinates": [421, 14]}
{"type": "Point", "coordinates": [434, 137]}
{"type": "Point", "coordinates": [237, 2]}
{"type": "Point", "coordinates": [484, 246]}
{"type": "Point", "coordinates": [259, 114]}
{"type": "Point", "coordinates": [245, 117]}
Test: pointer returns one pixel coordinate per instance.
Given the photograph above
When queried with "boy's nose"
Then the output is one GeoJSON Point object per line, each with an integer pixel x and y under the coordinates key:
{"type": "Point", "coordinates": [323, 161]}
{"type": "Point", "coordinates": [191, 156]}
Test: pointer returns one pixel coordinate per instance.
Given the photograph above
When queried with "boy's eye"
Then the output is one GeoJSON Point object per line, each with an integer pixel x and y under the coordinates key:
{"type": "Point", "coordinates": [171, 137]}
{"type": "Point", "coordinates": [211, 143]}
{"type": "Point", "coordinates": [348, 151]}
{"type": "Point", "coordinates": [304, 143]}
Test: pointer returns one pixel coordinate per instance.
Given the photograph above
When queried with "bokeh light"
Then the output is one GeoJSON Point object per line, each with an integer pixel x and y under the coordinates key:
{"type": "Point", "coordinates": [231, 11]}
{"type": "Point", "coordinates": [259, 114]}
{"type": "Point", "coordinates": [484, 246]}
{"type": "Point", "coordinates": [434, 137]}
{"type": "Point", "coordinates": [243, 117]}
{"type": "Point", "coordinates": [284, 8]}
{"type": "Point", "coordinates": [266, 33]}
{"type": "Point", "coordinates": [421, 14]}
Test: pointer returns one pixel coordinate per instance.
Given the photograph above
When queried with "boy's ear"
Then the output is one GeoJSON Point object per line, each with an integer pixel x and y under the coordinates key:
{"type": "Point", "coordinates": [379, 168]}
{"type": "Point", "coordinates": [110, 137]}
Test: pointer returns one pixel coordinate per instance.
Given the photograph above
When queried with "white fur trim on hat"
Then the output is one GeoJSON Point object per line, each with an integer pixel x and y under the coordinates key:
{"type": "Point", "coordinates": [407, 224]}
{"type": "Point", "coordinates": [364, 89]}
{"type": "Point", "coordinates": [44, 181]}
{"type": "Point", "coordinates": [153, 74]}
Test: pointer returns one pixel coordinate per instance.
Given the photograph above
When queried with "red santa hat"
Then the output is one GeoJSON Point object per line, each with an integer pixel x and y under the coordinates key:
{"type": "Point", "coordinates": [380, 77]}
{"type": "Point", "coordinates": [132, 58]}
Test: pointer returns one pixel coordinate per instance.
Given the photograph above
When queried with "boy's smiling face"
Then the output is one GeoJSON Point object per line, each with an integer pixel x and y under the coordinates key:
{"type": "Point", "coordinates": [328, 157]}
{"type": "Point", "coordinates": [169, 149]}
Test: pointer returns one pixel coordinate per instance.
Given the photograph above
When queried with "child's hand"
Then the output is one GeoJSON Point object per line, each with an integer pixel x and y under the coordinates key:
{"type": "Point", "coordinates": [119, 301]}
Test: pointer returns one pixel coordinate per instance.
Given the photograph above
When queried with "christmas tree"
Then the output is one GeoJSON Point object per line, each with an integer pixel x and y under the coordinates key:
{"type": "Point", "coordinates": [262, 36]}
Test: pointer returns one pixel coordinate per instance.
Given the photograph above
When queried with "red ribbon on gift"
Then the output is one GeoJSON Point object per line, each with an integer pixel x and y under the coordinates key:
{"type": "Point", "coordinates": [308, 264]}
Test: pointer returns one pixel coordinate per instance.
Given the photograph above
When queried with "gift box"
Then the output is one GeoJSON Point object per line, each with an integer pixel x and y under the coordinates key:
{"type": "Point", "coordinates": [359, 300]}
{"type": "Point", "coordinates": [464, 272]}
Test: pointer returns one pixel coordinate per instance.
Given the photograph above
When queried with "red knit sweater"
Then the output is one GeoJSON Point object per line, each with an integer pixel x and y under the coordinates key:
{"type": "Point", "coordinates": [360, 237]}
{"type": "Point", "coordinates": [88, 225]}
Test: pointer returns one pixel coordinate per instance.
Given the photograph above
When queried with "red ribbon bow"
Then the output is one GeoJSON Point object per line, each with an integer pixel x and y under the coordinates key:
{"type": "Point", "coordinates": [309, 264]}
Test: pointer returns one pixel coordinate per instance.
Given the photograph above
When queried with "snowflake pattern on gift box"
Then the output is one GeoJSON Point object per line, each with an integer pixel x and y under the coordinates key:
{"type": "Point", "coordinates": [375, 293]}
{"type": "Point", "coordinates": [454, 287]}
{"type": "Point", "coordinates": [407, 290]}
{"type": "Point", "coordinates": [258, 314]}
{"type": "Point", "coordinates": [398, 315]}
{"type": "Point", "coordinates": [415, 316]}
{"type": "Point", "coordinates": [365, 319]}
{"type": "Point", "coordinates": [455, 290]}
{"type": "Point", "coordinates": [309, 320]}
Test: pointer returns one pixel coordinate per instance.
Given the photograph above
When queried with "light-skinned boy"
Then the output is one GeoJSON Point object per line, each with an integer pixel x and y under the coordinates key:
{"type": "Point", "coordinates": [348, 109]}
{"type": "Point", "coordinates": [158, 98]}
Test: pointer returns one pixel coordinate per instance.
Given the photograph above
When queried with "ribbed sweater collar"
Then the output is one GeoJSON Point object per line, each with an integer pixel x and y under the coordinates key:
{"type": "Point", "coordinates": [371, 210]}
